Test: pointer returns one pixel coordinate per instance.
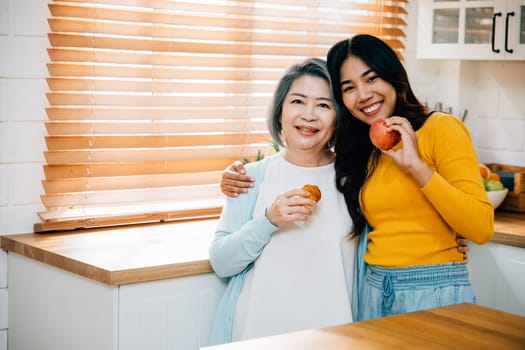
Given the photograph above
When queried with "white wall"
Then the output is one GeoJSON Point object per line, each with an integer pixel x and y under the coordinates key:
{"type": "Point", "coordinates": [491, 91]}
{"type": "Point", "coordinates": [23, 58]}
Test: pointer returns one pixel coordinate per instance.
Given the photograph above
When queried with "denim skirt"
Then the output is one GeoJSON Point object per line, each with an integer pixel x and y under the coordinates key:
{"type": "Point", "coordinates": [394, 290]}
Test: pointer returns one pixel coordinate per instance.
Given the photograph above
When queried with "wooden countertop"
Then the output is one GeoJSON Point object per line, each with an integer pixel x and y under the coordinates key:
{"type": "Point", "coordinates": [130, 254]}
{"type": "Point", "coordinates": [509, 228]}
{"type": "Point", "coordinates": [123, 255]}
{"type": "Point", "coordinates": [462, 326]}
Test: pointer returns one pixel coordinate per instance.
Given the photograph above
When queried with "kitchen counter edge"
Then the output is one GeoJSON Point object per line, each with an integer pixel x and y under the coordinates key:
{"type": "Point", "coordinates": [70, 251]}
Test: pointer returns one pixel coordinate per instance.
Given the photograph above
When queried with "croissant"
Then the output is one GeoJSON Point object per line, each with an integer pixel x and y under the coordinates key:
{"type": "Point", "coordinates": [314, 191]}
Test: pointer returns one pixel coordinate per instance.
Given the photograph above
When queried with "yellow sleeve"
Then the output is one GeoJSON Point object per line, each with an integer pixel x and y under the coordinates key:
{"type": "Point", "coordinates": [456, 189]}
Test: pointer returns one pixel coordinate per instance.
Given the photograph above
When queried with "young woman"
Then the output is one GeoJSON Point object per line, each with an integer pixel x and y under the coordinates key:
{"type": "Point", "coordinates": [280, 250]}
{"type": "Point", "coordinates": [415, 196]}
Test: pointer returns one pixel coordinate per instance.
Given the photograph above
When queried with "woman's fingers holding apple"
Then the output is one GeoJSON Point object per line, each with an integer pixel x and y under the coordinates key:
{"type": "Point", "coordinates": [401, 125]}
{"type": "Point", "coordinates": [408, 156]}
{"type": "Point", "coordinates": [409, 153]}
{"type": "Point", "coordinates": [404, 128]}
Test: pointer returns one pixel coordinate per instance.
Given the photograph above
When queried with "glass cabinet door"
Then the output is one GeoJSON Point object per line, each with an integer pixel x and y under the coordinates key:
{"type": "Point", "coordinates": [479, 25]}
{"type": "Point", "coordinates": [445, 26]}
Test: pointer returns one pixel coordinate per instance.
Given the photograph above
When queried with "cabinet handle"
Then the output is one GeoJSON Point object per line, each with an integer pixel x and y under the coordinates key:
{"type": "Point", "coordinates": [507, 32]}
{"type": "Point", "coordinates": [497, 14]}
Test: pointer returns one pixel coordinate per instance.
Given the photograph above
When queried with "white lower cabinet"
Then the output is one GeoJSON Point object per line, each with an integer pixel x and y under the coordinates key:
{"type": "Point", "coordinates": [498, 276]}
{"type": "Point", "coordinates": [53, 309]}
{"type": "Point", "coordinates": [168, 314]}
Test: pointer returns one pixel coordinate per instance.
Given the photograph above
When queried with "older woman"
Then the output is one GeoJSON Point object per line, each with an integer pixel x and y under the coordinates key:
{"type": "Point", "coordinates": [281, 250]}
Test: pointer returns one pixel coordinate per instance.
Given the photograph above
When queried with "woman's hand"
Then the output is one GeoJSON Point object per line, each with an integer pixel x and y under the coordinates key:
{"type": "Point", "coordinates": [408, 157]}
{"type": "Point", "coordinates": [234, 180]}
{"type": "Point", "coordinates": [289, 207]}
{"type": "Point", "coordinates": [462, 245]}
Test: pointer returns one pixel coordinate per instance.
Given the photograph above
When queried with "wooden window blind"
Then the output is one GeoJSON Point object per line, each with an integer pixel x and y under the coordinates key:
{"type": "Point", "coordinates": [149, 100]}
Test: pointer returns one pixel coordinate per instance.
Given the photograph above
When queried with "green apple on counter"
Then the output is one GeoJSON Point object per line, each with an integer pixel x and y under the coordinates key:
{"type": "Point", "coordinates": [491, 181]}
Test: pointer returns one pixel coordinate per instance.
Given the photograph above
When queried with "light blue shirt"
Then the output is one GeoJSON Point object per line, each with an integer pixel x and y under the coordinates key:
{"type": "Point", "coordinates": [233, 251]}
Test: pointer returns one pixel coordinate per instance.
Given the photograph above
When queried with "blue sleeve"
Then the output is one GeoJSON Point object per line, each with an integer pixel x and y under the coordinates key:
{"type": "Point", "coordinates": [358, 302]}
{"type": "Point", "coordinates": [240, 237]}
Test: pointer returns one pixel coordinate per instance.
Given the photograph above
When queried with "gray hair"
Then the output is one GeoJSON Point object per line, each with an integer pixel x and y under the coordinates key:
{"type": "Point", "coordinates": [315, 67]}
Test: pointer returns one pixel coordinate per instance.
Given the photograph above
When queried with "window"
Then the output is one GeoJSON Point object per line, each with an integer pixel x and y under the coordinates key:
{"type": "Point", "coordinates": [150, 100]}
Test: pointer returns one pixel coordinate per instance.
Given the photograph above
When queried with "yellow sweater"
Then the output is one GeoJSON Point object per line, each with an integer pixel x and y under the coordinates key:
{"type": "Point", "coordinates": [413, 225]}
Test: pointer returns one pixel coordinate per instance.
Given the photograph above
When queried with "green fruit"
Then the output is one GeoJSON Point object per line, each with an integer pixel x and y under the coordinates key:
{"type": "Point", "coordinates": [492, 185]}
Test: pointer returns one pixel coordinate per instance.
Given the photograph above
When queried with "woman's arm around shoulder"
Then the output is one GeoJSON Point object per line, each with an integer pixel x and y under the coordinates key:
{"type": "Point", "coordinates": [235, 181]}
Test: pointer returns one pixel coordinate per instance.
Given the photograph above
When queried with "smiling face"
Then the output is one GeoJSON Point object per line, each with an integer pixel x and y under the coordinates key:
{"type": "Point", "coordinates": [367, 96]}
{"type": "Point", "coordinates": [308, 115]}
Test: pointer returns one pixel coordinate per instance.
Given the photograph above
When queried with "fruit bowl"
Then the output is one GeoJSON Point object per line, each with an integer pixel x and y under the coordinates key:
{"type": "Point", "coordinates": [497, 197]}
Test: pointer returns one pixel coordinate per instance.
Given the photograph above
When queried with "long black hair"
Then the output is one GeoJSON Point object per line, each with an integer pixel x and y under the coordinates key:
{"type": "Point", "coordinates": [356, 157]}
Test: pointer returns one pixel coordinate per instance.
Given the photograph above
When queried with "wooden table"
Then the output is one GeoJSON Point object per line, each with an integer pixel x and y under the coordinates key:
{"type": "Point", "coordinates": [462, 326]}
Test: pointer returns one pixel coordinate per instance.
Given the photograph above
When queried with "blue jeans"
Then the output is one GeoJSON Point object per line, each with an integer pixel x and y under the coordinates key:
{"type": "Point", "coordinates": [394, 290]}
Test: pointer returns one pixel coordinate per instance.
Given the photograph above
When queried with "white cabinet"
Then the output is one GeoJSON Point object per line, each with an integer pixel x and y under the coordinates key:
{"type": "Point", "coordinates": [52, 309]}
{"type": "Point", "coordinates": [471, 29]}
{"type": "Point", "coordinates": [497, 272]}
{"type": "Point", "coordinates": [174, 313]}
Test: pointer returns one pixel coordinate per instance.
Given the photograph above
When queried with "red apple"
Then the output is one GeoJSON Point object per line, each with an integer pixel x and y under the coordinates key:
{"type": "Point", "coordinates": [382, 139]}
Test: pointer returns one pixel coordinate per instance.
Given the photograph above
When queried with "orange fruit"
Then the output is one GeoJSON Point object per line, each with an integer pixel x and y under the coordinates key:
{"type": "Point", "coordinates": [484, 171]}
{"type": "Point", "coordinates": [495, 177]}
